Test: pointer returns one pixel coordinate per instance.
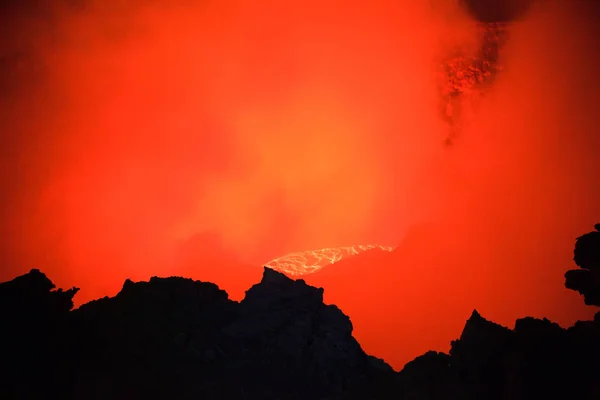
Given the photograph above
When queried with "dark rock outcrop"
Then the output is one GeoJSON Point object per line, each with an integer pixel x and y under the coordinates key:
{"type": "Point", "coordinates": [538, 359]}
{"type": "Point", "coordinates": [587, 279]}
{"type": "Point", "coordinates": [33, 344]}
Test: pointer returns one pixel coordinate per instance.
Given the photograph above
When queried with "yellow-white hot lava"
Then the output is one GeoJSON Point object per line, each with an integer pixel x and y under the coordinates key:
{"type": "Point", "coordinates": [310, 261]}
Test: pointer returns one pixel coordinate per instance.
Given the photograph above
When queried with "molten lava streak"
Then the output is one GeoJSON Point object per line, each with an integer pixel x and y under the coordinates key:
{"type": "Point", "coordinates": [310, 261]}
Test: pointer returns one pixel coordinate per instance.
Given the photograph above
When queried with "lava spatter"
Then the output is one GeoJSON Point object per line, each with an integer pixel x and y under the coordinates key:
{"type": "Point", "coordinates": [464, 78]}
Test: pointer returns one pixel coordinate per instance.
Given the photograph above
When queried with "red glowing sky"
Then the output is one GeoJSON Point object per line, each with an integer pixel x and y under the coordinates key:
{"type": "Point", "coordinates": [131, 130]}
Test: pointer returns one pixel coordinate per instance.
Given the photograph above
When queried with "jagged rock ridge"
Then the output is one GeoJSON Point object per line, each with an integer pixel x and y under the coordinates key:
{"type": "Point", "coordinates": [175, 338]}
{"type": "Point", "coordinates": [179, 338]}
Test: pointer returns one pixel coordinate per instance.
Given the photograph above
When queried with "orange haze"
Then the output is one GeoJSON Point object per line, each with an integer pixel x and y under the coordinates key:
{"type": "Point", "coordinates": [202, 138]}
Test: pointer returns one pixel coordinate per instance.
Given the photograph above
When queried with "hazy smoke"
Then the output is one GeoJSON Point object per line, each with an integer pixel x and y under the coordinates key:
{"type": "Point", "coordinates": [277, 126]}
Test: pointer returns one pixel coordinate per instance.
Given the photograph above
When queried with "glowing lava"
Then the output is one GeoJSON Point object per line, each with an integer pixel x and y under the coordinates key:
{"type": "Point", "coordinates": [310, 261]}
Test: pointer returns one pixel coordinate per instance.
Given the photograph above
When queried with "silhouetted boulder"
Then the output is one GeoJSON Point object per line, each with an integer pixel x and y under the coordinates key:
{"type": "Point", "coordinates": [586, 280]}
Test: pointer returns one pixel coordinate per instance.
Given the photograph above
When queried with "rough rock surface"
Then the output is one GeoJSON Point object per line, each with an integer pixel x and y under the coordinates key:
{"type": "Point", "coordinates": [175, 338]}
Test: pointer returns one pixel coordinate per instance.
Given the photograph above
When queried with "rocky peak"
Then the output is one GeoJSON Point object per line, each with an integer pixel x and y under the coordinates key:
{"type": "Point", "coordinates": [482, 355]}
{"type": "Point", "coordinates": [285, 320]}
{"type": "Point", "coordinates": [277, 289]}
{"type": "Point", "coordinates": [478, 329]}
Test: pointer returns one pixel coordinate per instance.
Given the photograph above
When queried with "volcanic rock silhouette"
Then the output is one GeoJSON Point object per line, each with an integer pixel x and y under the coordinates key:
{"type": "Point", "coordinates": [587, 279]}
{"type": "Point", "coordinates": [537, 359]}
{"type": "Point", "coordinates": [175, 338]}
{"type": "Point", "coordinates": [179, 338]}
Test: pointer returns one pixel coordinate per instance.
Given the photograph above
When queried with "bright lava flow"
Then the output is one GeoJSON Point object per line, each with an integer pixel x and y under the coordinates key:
{"type": "Point", "coordinates": [310, 261]}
